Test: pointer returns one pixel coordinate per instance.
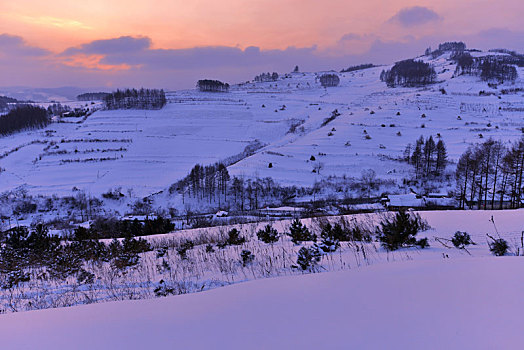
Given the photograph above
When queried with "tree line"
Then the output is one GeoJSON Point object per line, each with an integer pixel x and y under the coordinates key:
{"type": "Point", "coordinates": [264, 77]}
{"type": "Point", "coordinates": [5, 101]}
{"type": "Point", "coordinates": [453, 46]}
{"type": "Point", "coordinates": [113, 228]}
{"type": "Point", "coordinates": [428, 158]}
{"type": "Point", "coordinates": [512, 58]}
{"type": "Point", "coordinates": [488, 68]}
{"type": "Point", "coordinates": [489, 175]}
{"type": "Point", "coordinates": [329, 80]}
{"type": "Point", "coordinates": [205, 182]}
{"type": "Point", "coordinates": [92, 96]}
{"type": "Point", "coordinates": [23, 250]}
{"type": "Point", "coordinates": [23, 117]}
{"type": "Point", "coordinates": [214, 184]}
{"type": "Point", "coordinates": [409, 73]}
{"type": "Point", "coordinates": [135, 99]}
{"type": "Point", "coordinates": [207, 85]}
{"type": "Point", "coordinates": [58, 109]}
{"type": "Point", "coordinates": [358, 67]}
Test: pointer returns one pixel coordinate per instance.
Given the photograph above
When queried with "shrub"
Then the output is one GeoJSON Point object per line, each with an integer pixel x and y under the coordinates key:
{"type": "Point", "coordinates": [461, 239]}
{"type": "Point", "coordinates": [268, 235]}
{"type": "Point", "coordinates": [308, 258]}
{"type": "Point", "coordinates": [141, 207]}
{"type": "Point", "coordinates": [401, 231]}
{"type": "Point", "coordinates": [246, 257]}
{"type": "Point", "coordinates": [22, 248]}
{"type": "Point", "coordinates": [113, 194]}
{"type": "Point", "coordinates": [89, 250]}
{"type": "Point", "coordinates": [65, 264]}
{"type": "Point", "coordinates": [344, 232]}
{"type": "Point", "coordinates": [329, 244]}
{"type": "Point", "coordinates": [329, 80]}
{"type": "Point", "coordinates": [423, 243]}
{"type": "Point", "coordinates": [300, 233]}
{"type": "Point", "coordinates": [234, 238]}
{"type": "Point", "coordinates": [112, 228]}
{"type": "Point", "coordinates": [498, 246]}
{"type": "Point", "coordinates": [115, 248]}
{"type": "Point", "coordinates": [14, 278]}
{"type": "Point", "coordinates": [334, 114]}
{"type": "Point", "coordinates": [135, 246]}
{"type": "Point", "coordinates": [163, 290]}
{"type": "Point", "coordinates": [125, 260]}
{"type": "Point", "coordinates": [184, 247]}
{"type": "Point", "coordinates": [25, 207]}
{"type": "Point", "coordinates": [161, 252]}
{"type": "Point", "coordinates": [334, 232]}
{"type": "Point", "coordinates": [85, 277]}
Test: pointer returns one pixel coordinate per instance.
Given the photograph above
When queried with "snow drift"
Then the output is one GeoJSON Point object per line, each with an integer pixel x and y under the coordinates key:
{"type": "Point", "coordinates": [452, 304]}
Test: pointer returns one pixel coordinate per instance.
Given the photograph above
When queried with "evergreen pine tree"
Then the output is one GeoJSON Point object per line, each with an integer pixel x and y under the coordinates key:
{"type": "Point", "coordinates": [442, 157]}
{"type": "Point", "coordinates": [300, 233]}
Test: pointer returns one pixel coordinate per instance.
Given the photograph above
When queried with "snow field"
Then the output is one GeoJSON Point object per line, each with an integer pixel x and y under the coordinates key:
{"type": "Point", "coordinates": [456, 304]}
{"type": "Point", "coordinates": [204, 128]}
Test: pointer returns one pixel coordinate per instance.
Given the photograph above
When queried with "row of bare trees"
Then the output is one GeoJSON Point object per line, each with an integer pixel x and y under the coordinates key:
{"type": "Point", "coordinates": [212, 183]}
{"type": "Point", "coordinates": [136, 99]}
{"type": "Point", "coordinates": [265, 77]}
{"type": "Point", "coordinates": [489, 175]}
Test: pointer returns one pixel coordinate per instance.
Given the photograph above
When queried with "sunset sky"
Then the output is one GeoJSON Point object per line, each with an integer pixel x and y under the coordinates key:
{"type": "Point", "coordinates": [173, 43]}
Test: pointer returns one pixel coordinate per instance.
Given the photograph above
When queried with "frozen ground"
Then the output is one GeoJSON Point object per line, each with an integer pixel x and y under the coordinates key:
{"type": "Point", "coordinates": [469, 303]}
{"type": "Point", "coordinates": [202, 269]}
{"type": "Point", "coordinates": [148, 150]}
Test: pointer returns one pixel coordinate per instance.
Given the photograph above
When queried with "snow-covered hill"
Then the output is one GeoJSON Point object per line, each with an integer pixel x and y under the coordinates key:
{"type": "Point", "coordinates": [454, 304]}
{"type": "Point", "coordinates": [148, 150]}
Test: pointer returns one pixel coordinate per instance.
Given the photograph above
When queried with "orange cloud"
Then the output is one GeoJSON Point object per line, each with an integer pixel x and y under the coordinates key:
{"type": "Point", "coordinates": [267, 24]}
{"type": "Point", "coordinates": [93, 61]}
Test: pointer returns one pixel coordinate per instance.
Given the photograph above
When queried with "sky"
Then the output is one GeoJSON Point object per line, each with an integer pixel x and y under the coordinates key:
{"type": "Point", "coordinates": [173, 43]}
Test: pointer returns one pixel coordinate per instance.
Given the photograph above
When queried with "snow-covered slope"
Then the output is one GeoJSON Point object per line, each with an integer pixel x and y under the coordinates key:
{"type": "Point", "coordinates": [454, 304]}
{"type": "Point", "coordinates": [149, 150]}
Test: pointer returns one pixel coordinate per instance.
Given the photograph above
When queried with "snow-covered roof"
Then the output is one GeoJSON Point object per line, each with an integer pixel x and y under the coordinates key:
{"type": "Point", "coordinates": [285, 209]}
{"type": "Point", "coordinates": [437, 195]}
{"type": "Point", "coordinates": [366, 206]}
{"type": "Point", "coordinates": [405, 200]}
{"type": "Point", "coordinates": [139, 217]}
{"type": "Point", "coordinates": [446, 202]}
